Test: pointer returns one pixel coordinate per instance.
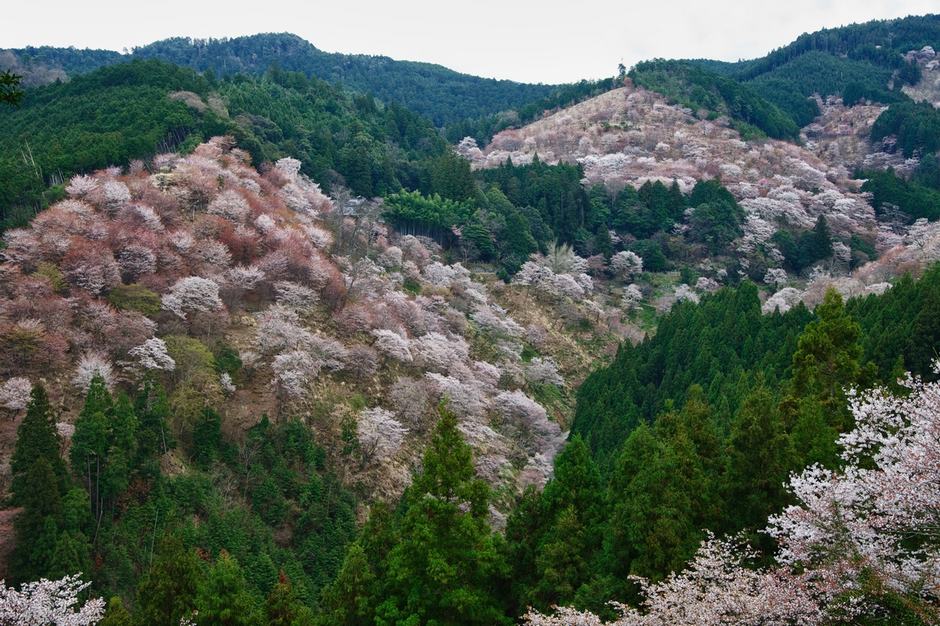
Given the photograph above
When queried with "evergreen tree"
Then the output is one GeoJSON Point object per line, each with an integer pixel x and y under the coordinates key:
{"type": "Point", "coordinates": [760, 458]}
{"type": "Point", "coordinates": [36, 439]}
{"type": "Point", "coordinates": [825, 364]}
{"type": "Point", "coordinates": [554, 537]}
{"type": "Point", "coordinates": [284, 608]}
{"type": "Point", "coordinates": [167, 591]}
{"type": "Point", "coordinates": [223, 598]}
{"type": "Point", "coordinates": [36, 527]}
{"type": "Point", "coordinates": [925, 337]}
{"type": "Point", "coordinates": [348, 600]}
{"type": "Point", "coordinates": [90, 443]}
{"type": "Point", "coordinates": [446, 567]}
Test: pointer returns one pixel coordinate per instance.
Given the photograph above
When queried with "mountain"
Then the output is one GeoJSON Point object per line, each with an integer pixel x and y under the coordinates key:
{"type": "Point", "coordinates": [442, 95]}
{"type": "Point", "coordinates": [658, 349]}
{"type": "Point", "coordinates": [134, 110]}
{"type": "Point", "coordinates": [859, 61]}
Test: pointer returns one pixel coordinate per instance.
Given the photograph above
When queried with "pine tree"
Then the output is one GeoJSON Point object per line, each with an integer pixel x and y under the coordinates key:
{"type": "Point", "coordinates": [825, 364]}
{"type": "Point", "coordinates": [447, 567]}
{"type": "Point", "coordinates": [36, 527]}
{"type": "Point", "coordinates": [90, 443]}
{"type": "Point", "coordinates": [348, 600]}
{"type": "Point", "coordinates": [760, 457]}
{"type": "Point", "coordinates": [167, 591]}
{"type": "Point", "coordinates": [284, 608]}
{"type": "Point", "coordinates": [924, 346]}
{"type": "Point", "coordinates": [152, 409]}
{"type": "Point", "coordinates": [223, 598]}
{"type": "Point", "coordinates": [36, 438]}
{"type": "Point", "coordinates": [117, 614]}
{"type": "Point", "coordinates": [553, 538]}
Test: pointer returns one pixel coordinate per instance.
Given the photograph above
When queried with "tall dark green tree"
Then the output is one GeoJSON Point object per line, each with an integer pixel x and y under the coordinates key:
{"type": "Point", "coordinates": [223, 598]}
{"type": "Point", "coordinates": [826, 363]}
{"type": "Point", "coordinates": [447, 566]}
{"type": "Point", "coordinates": [759, 459]}
{"type": "Point", "coordinates": [167, 590]}
{"type": "Point", "coordinates": [36, 439]}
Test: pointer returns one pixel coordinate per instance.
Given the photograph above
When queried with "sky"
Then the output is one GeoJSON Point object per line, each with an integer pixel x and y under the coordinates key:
{"type": "Point", "coordinates": [546, 41]}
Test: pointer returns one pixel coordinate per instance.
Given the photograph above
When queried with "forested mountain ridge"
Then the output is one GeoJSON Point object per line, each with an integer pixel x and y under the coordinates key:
{"type": "Point", "coordinates": [273, 353]}
{"type": "Point", "coordinates": [133, 110]}
{"type": "Point", "coordinates": [442, 95]}
{"type": "Point", "coordinates": [857, 61]}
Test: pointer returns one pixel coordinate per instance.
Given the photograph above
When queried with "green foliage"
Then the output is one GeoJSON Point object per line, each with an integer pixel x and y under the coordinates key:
{"type": "Point", "coordinates": [912, 198]}
{"type": "Point", "coordinates": [167, 590]}
{"type": "Point", "coordinates": [698, 427]}
{"type": "Point", "coordinates": [126, 111]}
{"type": "Point", "coordinates": [716, 220]}
{"type": "Point", "coordinates": [558, 202]}
{"type": "Point", "coordinates": [698, 88]}
{"type": "Point", "coordinates": [803, 249]}
{"type": "Point", "coordinates": [223, 598]}
{"type": "Point", "coordinates": [718, 345]}
{"type": "Point", "coordinates": [135, 297]}
{"type": "Point", "coordinates": [436, 92]}
{"type": "Point", "coordinates": [438, 562]}
{"type": "Point", "coordinates": [915, 124]}
{"type": "Point", "coordinates": [10, 92]}
{"type": "Point", "coordinates": [551, 535]}
{"type": "Point", "coordinates": [107, 117]}
{"type": "Point", "coordinates": [413, 213]}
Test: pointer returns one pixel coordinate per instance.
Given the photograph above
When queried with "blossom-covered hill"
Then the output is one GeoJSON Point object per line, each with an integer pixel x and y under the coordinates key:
{"type": "Point", "coordinates": [253, 292]}
{"type": "Point", "coordinates": [630, 135]}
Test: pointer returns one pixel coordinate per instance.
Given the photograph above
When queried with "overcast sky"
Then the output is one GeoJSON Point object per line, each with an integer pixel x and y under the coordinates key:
{"type": "Point", "coordinates": [544, 41]}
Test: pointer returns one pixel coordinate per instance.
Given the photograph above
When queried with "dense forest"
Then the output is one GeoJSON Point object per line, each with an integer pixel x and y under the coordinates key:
{"type": "Point", "coordinates": [130, 111]}
{"type": "Point", "coordinates": [442, 95]}
{"type": "Point", "coordinates": [715, 410]}
{"type": "Point", "coordinates": [860, 61]}
{"type": "Point", "coordinates": [273, 352]}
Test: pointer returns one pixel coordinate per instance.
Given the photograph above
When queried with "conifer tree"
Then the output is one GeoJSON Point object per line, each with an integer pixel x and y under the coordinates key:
{"type": "Point", "coordinates": [167, 591]}
{"type": "Point", "coordinates": [223, 598]}
{"type": "Point", "coordinates": [447, 566]}
{"type": "Point", "coordinates": [36, 439]}
{"type": "Point", "coordinates": [760, 458]}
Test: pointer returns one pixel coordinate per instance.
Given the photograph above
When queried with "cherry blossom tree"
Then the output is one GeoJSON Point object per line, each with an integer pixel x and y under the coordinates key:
{"type": "Point", "coordinates": [715, 589]}
{"type": "Point", "coordinates": [50, 602]}
{"type": "Point", "coordinates": [90, 365]}
{"type": "Point", "coordinates": [684, 293]}
{"type": "Point", "coordinates": [90, 266]}
{"type": "Point", "coordinates": [294, 296]}
{"type": "Point", "coordinates": [380, 434]}
{"type": "Point", "coordinates": [543, 371]}
{"type": "Point", "coordinates": [14, 393]}
{"type": "Point", "coordinates": [632, 297]}
{"type": "Point", "coordinates": [437, 352]}
{"type": "Point", "coordinates": [626, 264]}
{"type": "Point", "coordinates": [136, 260]}
{"type": "Point", "coordinates": [879, 514]}
{"type": "Point", "coordinates": [776, 277]}
{"type": "Point", "coordinates": [294, 372]}
{"type": "Point", "coordinates": [153, 355]}
{"type": "Point", "coordinates": [392, 344]}
{"type": "Point", "coordinates": [80, 186]}
{"type": "Point", "coordinates": [229, 204]}
{"type": "Point", "coordinates": [191, 295]}
{"type": "Point", "coordinates": [528, 420]}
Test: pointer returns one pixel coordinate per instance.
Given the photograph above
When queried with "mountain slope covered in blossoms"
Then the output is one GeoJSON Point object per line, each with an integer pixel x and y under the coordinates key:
{"type": "Point", "coordinates": [661, 350]}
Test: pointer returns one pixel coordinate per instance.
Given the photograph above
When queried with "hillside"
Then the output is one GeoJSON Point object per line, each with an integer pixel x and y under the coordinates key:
{"type": "Point", "coordinates": [653, 350]}
{"type": "Point", "coordinates": [442, 95]}
{"type": "Point", "coordinates": [133, 110]}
